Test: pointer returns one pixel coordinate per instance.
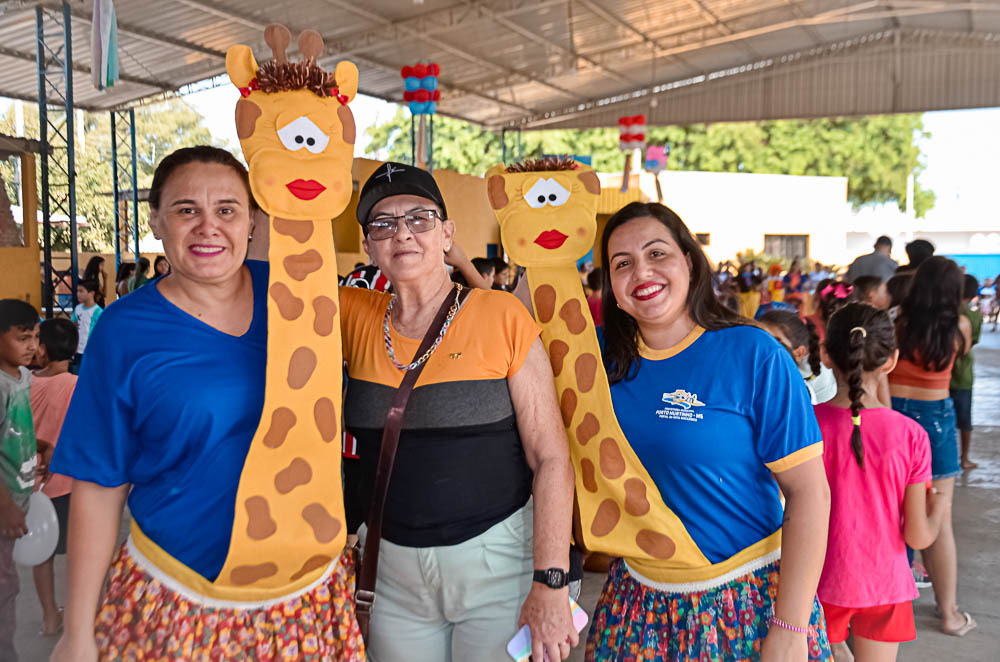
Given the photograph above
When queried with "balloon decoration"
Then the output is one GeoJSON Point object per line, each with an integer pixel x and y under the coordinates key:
{"type": "Point", "coordinates": [656, 162]}
{"type": "Point", "coordinates": [632, 136]}
{"type": "Point", "coordinates": [39, 543]}
{"type": "Point", "coordinates": [420, 88]}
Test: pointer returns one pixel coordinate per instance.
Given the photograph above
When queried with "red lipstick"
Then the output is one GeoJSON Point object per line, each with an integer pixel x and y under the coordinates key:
{"type": "Point", "coordinates": [646, 297]}
{"type": "Point", "coordinates": [551, 239]}
{"type": "Point", "coordinates": [305, 189]}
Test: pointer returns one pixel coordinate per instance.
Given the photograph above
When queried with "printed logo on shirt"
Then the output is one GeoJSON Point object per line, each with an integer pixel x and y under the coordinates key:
{"type": "Point", "coordinates": [681, 404]}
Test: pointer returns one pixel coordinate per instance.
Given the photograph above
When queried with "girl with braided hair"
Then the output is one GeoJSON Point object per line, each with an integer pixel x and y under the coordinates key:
{"type": "Point", "coordinates": [802, 342]}
{"type": "Point", "coordinates": [878, 463]}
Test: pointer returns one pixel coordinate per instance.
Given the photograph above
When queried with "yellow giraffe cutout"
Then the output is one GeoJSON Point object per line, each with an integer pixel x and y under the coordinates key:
{"type": "Point", "coordinates": [297, 134]}
{"type": "Point", "coordinates": [547, 214]}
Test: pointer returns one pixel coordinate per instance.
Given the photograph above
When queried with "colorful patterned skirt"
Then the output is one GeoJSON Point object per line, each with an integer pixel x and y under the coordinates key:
{"type": "Point", "coordinates": [143, 620]}
{"type": "Point", "coordinates": [634, 622]}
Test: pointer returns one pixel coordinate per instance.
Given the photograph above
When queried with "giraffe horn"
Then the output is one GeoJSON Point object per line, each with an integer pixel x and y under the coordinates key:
{"type": "Point", "coordinates": [278, 38]}
{"type": "Point", "coordinates": [310, 45]}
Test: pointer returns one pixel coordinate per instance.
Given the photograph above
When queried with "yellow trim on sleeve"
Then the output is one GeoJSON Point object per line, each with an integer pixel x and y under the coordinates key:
{"type": "Point", "coordinates": [198, 584]}
{"type": "Point", "coordinates": [796, 458]}
{"type": "Point", "coordinates": [647, 352]}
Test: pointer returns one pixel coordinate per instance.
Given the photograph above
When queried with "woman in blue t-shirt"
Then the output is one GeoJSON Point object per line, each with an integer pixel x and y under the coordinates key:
{"type": "Point", "coordinates": [163, 414]}
{"type": "Point", "coordinates": [719, 417]}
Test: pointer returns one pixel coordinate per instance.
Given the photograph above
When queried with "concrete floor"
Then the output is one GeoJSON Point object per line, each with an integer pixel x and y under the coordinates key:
{"type": "Point", "coordinates": [977, 530]}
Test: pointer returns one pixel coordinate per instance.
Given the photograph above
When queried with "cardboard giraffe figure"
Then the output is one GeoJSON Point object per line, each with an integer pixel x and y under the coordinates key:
{"type": "Point", "coordinates": [547, 215]}
{"type": "Point", "coordinates": [297, 134]}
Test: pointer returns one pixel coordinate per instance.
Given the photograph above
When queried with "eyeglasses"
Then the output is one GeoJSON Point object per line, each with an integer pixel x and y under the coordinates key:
{"type": "Point", "coordinates": [386, 227]}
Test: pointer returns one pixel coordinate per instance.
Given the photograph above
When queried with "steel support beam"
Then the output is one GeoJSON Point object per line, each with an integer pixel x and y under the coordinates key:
{"type": "Point", "coordinates": [56, 133]}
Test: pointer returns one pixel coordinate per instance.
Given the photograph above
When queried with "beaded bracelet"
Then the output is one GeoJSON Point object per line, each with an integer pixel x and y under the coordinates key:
{"type": "Point", "coordinates": [781, 624]}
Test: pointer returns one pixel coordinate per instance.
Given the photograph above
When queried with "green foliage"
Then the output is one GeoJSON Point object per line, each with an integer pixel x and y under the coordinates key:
{"type": "Point", "coordinates": [876, 153]}
{"type": "Point", "coordinates": [160, 129]}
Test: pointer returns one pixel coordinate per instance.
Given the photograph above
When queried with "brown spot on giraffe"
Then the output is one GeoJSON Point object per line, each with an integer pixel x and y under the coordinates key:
{"type": "Point", "coordinates": [300, 231]}
{"type": "Point", "coordinates": [573, 316]}
{"type": "Point", "coordinates": [557, 354]}
{"type": "Point", "coordinates": [312, 563]}
{"type": "Point", "coordinates": [247, 113]}
{"type": "Point", "coordinates": [248, 574]}
{"type": "Point", "coordinates": [301, 265]}
{"type": "Point", "coordinates": [260, 524]}
{"type": "Point", "coordinates": [612, 462]}
{"type": "Point", "coordinates": [545, 303]}
{"type": "Point", "coordinates": [289, 306]}
{"type": "Point", "coordinates": [586, 371]}
{"type": "Point", "coordinates": [587, 474]}
{"type": "Point", "coordinates": [347, 122]}
{"type": "Point", "coordinates": [326, 310]}
{"type": "Point", "coordinates": [301, 367]}
{"type": "Point", "coordinates": [567, 405]}
{"type": "Point", "coordinates": [297, 473]}
{"type": "Point", "coordinates": [325, 527]}
{"type": "Point", "coordinates": [496, 192]}
{"type": "Point", "coordinates": [325, 415]}
{"type": "Point", "coordinates": [586, 430]}
{"type": "Point", "coordinates": [606, 518]}
{"type": "Point", "coordinates": [282, 420]}
{"type": "Point", "coordinates": [655, 544]}
{"type": "Point", "coordinates": [636, 503]}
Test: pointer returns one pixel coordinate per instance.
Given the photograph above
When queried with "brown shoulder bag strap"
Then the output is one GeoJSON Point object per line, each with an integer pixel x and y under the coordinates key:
{"type": "Point", "coordinates": [364, 596]}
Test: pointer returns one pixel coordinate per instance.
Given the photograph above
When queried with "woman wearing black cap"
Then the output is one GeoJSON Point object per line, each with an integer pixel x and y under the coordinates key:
{"type": "Point", "coordinates": [482, 435]}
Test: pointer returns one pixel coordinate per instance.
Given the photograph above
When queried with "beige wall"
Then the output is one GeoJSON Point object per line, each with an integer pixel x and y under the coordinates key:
{"type": "Point", "coordinates": [19, 265]}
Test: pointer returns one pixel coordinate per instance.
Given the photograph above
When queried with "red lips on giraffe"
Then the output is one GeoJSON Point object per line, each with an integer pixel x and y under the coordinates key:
{"type": "Point", "coordinates": [305, 189]}
{"type": "Point", "coordinates": [551, 239]}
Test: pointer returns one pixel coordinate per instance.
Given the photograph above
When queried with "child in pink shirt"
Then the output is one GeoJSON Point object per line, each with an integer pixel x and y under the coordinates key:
{"type": "Point", "coordinates": [51, 390]}
{"type": "Point", "coordinates": [878, 463]}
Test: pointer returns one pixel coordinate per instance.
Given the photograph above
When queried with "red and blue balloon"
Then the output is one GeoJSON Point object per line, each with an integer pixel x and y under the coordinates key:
{"type": "Point", "coordinates": [420, 87]}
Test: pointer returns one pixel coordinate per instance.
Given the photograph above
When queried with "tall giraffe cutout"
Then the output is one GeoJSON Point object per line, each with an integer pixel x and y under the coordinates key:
{"type": "Point", "coordinates": [547, 215]}
{"type": "Point", "coordinates": [297, 134]}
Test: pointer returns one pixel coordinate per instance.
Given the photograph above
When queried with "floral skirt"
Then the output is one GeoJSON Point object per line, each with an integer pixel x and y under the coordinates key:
{"type": "Point", "coordinates": [633, 622]}
{"type": "Point", "coordinates": [142, 620]}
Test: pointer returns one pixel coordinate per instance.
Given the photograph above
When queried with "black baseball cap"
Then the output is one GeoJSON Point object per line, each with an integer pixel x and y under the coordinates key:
{"type": "Point", "coordinates": [393, 178]}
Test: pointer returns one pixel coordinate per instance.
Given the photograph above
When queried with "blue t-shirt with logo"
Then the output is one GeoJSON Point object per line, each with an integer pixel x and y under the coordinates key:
{"type": "Point", "coordinates": [170, 405]}
{"type": "Point", "coordinates": [711, 419]}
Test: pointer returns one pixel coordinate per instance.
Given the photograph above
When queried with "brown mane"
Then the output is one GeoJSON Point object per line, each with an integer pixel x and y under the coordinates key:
{"type": "Point", "coordinates": [548, 164]}
{"type": "Point", "coordinates": [288, 76]}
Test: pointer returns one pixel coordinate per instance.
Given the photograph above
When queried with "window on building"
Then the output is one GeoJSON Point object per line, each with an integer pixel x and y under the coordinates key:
{"type": "Point", "coordinates": [786, 245]}
{"type": "Point", "coordinates": [704, 238]}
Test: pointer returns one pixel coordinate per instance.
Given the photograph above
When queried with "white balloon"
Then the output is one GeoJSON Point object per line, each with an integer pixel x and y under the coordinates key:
{"type": "Point", "coordinates": [39, 543]}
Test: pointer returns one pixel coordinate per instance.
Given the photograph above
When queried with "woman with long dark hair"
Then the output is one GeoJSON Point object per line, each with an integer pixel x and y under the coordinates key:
{"type": "Point", "coordinates": [125, 271]}
{"type": "Point", "coordinates": [712, 407]}
{"type": "Point", "coordinates": [931, 333]}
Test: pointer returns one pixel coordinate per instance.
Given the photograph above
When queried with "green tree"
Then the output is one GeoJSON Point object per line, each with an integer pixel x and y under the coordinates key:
{"type": "Point", "coordinates": [160, 129]}
{"type": "Point", "coordinates": [876, 153]}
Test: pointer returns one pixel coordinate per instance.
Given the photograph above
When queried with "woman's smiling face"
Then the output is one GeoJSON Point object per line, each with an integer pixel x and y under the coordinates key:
{"type": "Point", "coordinates": [650, 274]}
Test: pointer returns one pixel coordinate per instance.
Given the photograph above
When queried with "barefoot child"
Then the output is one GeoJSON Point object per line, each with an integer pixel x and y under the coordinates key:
{"type": "Point", "coordinates": [878, 462]}
{"type": "Point", "coordinates": [51, 389]}
{"type": "Point", "coordinates": [18, 451]}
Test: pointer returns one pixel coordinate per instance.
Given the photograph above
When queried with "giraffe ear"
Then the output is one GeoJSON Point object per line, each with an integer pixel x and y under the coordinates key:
{"type": "Point", "coordinates": [590, 181]}
{"type": "Point", "coordinates": [497, 191]}
{"type": "Point", "coordinates": [240, 65]}
{"type": "Point", "coordinates": [346, 74]}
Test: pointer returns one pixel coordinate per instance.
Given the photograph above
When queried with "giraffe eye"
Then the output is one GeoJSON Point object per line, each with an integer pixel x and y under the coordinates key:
{"type": "Point", "coordinates": [546, 192]}
{"type": "Point", "coordinates": [303, 133]}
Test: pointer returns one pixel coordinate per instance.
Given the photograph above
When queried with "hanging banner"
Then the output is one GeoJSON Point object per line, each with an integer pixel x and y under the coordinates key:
{"type": "Point", "coordinates": [104, 45]}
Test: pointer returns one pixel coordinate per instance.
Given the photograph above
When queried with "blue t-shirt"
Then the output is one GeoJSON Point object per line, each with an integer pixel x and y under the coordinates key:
{"type": "Point", "coordinates": [170, 405]}
{"type": "Point", "coordinates": [710, 419]}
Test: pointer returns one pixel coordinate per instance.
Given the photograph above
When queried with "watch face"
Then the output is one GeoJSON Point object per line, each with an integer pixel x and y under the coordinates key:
{"type": "Point", "coordinates": [555, 577]}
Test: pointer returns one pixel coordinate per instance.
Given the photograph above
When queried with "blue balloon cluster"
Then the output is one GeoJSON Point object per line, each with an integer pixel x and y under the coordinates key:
{"type": "Point", "coordinates": [423, 107]}
{"type": "Point", "coordinates": [412, 83]}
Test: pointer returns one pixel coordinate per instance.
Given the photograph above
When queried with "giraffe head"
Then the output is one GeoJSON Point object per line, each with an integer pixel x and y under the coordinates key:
{"type": "Point", "coordinates": [546, 209]}
{"type": "Point", "coordinates": [295, 128]}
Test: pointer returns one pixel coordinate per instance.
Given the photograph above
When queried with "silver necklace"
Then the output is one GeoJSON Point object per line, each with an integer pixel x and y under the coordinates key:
{"type": "Point", "coordinates": [437, 341]}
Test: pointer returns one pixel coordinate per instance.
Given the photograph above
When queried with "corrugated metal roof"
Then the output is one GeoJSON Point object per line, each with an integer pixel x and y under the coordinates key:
{"type": "Point", "coordinates": [565, 63]}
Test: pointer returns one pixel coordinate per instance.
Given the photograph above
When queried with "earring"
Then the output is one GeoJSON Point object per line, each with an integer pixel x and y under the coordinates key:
{"type": "Point", "coordinates": [250, 237]}
{"type": "Point", "coordinates": [619, 306]}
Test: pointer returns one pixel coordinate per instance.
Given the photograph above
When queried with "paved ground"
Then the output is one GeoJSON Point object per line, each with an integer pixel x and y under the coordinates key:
{"type": "Point", "coordinates": [977, 528]}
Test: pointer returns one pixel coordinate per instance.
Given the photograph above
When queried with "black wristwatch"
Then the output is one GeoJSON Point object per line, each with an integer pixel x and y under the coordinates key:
{"type": "Point", "coordinates": [553, 577]}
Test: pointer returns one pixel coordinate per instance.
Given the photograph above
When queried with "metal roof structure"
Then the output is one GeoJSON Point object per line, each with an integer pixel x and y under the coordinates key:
{"type": "Point", "coordinates": [566, 63]}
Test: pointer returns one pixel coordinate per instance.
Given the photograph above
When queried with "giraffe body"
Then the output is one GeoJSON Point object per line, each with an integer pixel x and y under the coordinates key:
{"type": "Point", "coordinates": [289, 514]}
{"type": "Point", "coordinates": [547, 222]}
